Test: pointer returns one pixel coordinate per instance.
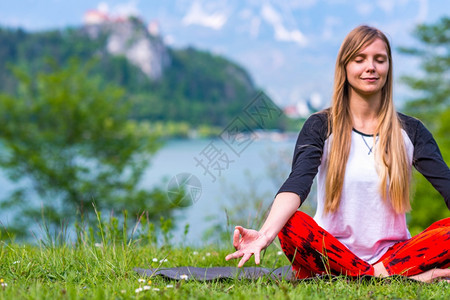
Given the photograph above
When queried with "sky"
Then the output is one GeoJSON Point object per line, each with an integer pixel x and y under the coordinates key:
{"type": "Point", "coordinates": [289, 47]}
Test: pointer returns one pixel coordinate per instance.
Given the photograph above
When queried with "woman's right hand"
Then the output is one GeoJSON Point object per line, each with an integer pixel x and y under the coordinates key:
{"type": "Point", "coordinates": [248, 242]}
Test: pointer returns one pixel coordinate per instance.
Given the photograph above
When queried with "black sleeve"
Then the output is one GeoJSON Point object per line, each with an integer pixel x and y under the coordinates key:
{"type": "Point", "coordinates": [427, 159]}
{"type": "Point", "coordinates": [307, 156]}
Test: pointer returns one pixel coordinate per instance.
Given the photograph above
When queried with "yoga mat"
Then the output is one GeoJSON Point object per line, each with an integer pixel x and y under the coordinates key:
{"type": "Point", "coordinates": [212, 273]}
{"type": "Point", "coordinates": [252, 273]}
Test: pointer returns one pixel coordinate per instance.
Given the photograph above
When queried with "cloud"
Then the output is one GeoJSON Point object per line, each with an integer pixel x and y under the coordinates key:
{"type": "Point", "coordinates": [423, 11]}
{"type": "Point", "coordinates": [103, 7]}
{"type": "Point", "coordinates": [277, 59]}
{"type": "Point", "coordinates": [169, 40]}
{"type": "Point", "coordinates": [197, 15]}
{"type": "Point", "coordinates": [281, 33]}
{"type": "Point", "coordinates": [364, 8]}
{"type": "Point", "coordinates": [302, 4]}
{"type": "Point", "coordinates": [336, 2]}
{"type": "Point", "coordinates": [253, 22]}
{"type": "Point", "coordinates": [386, 5]}
{"type": "Point", "coordinates": [254, 27]}
{"type": "Point", "coordinates": [245, 14]}
{"type": "Point", "coordinates": [331, 23]}
{"type": "Point", "coordinates": [126, 9]}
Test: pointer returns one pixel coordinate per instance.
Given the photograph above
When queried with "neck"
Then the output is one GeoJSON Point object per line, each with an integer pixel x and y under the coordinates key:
{"type": "Point", "coordinates": [364, 111]}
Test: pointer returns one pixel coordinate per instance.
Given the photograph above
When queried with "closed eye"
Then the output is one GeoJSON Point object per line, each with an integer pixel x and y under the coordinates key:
{"type": "Point", "coordinates": [381, 58]}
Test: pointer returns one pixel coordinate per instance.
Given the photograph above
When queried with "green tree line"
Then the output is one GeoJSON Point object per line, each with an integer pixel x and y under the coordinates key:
{"type": "Point", "coordinates": [431, 105]}
{"type": "Point", "coordinates": [197, 88]}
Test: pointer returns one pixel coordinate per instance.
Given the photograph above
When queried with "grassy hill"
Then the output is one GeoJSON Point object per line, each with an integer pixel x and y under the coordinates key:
{"type": "Point", "coordinates": [196, 87]}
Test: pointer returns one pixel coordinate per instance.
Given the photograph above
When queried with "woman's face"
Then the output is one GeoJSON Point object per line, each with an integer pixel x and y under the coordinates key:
{"type": "Point", "coordinates": [367, 71]}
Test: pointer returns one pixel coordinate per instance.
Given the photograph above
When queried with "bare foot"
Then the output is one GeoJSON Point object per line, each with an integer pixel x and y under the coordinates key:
{"type": "Point", "coordinates": [428, 276]}
{"type": "Point", "coordinates": [380, 270]}
{"type": "Point", "coordinates": [433, 275]}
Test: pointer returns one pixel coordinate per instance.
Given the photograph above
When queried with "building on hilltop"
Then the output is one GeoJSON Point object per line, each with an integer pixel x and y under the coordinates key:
{"type": "Point", "coordinates": [95, 17]}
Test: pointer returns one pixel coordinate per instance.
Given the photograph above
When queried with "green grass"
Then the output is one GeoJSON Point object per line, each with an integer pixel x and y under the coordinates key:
{"type": "Point", "coordinates": [102, 268]}
{"type": "Point", "coordinates": [96, 272]}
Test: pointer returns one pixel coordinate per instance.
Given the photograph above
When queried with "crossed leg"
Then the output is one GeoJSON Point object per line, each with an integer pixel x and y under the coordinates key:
{"type": "Point", "coordinates": [312, 250]}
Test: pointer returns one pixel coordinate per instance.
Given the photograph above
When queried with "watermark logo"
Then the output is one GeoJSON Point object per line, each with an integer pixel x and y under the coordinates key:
{"type": "Point", "coordinates": [184, 189]}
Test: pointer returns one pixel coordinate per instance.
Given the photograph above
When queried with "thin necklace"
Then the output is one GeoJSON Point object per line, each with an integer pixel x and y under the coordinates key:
{"type": "Point", "coordinates": [370, 148]}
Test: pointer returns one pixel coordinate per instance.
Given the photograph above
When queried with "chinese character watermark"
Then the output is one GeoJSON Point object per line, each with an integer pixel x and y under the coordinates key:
{"type": "Point", "coordinates": [262, 110]}
{"type": "Point", "coordinates": [238, 135]}
{"type": "Point", "coordinates": [213, 161]}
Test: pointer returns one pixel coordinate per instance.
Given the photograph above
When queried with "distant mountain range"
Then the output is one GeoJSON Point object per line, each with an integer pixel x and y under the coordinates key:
{"type": "Point", "coordinates": [162, 83]}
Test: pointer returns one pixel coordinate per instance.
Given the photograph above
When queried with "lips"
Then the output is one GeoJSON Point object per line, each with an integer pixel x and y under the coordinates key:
{"type": "Point", "coordinates": [370, 79]}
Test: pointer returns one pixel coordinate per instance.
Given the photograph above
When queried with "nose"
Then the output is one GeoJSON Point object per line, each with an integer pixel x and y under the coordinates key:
{"type": "Point", "coordinates": [370, 68]}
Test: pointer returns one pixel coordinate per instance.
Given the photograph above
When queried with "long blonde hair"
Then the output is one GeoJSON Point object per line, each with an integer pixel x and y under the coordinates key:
{"type": "Point", "coordinates": [390, 152]}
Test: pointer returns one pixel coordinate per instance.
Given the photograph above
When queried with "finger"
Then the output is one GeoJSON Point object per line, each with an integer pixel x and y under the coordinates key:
{"type": "Point", "coordinates": [236, 238]}
{"type": "Point", "coordinates": [234, 255]}
{"type": "Point", "coordinates": [238, 232]}
{"type": "Point", "coordinates": [257, 257]}
{"type": "Point", "coordinates": [244, 259]}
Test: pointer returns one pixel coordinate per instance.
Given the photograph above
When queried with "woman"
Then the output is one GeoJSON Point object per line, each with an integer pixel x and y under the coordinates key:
{"type": "Point", "coordinates": [362, 151]}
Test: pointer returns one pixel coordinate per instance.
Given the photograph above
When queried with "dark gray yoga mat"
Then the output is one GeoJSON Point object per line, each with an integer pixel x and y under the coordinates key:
{"type": "Point", "coordinates": [252, 273]}
{"type": "Point", "coordinates": [205, 274]}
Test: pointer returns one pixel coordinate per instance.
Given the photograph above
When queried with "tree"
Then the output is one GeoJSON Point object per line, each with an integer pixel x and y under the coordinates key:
{"type": "Point", "coordinates": [432, 106]}
{"type": "Point", "coordinates": [70, 136]}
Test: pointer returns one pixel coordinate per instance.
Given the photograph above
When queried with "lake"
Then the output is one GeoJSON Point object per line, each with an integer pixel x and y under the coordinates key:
{"type": "Point", "coordinates": [241, 170]}
{"type": "Point", "coordinates": [214, 170]}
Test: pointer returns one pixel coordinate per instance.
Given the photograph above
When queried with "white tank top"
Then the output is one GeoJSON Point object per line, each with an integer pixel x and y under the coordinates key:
{"type": "Point", "coordinates": [364, 222]}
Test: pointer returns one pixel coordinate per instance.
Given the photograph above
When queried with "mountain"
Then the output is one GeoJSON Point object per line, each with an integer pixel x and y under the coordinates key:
{"type": "Point", "coordinates": [130, 38]}
{"type": "Point", "coordinates": [162, 83]}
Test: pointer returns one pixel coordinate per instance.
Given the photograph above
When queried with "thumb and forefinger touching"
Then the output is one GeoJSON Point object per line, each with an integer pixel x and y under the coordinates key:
{"type": "Point", "coordinates": [238, 231]}
{"type": "Point", "coordinates": [242, 247]}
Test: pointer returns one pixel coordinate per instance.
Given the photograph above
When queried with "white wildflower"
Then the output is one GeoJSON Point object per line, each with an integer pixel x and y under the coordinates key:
{"type": "Point", "coordinates": [169, 286]}
{"type": "Point", "coordinates": [195, 253]}
{"type": "Point", "coordinates": [138, 290]}
{"type": "Point", "coordinates": [155, 259]}
{"type": "Point", "coordinates": [156, 289]}
{"type": "Point", "coordinates": [146, 287]}
{"type": "Point", "coordinates": [208, 254]}
{"type": "Point", "coordinates": [141, 280]}
{"type": "Point", "coordinates": [280, 252]}
{"type": "Point", "coordinates": [163, 260]}
{"type": "Point", "coordinates": [184, 277]}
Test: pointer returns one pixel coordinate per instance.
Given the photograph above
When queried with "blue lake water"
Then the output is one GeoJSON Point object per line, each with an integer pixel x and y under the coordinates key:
{"type": "Point", "coordinates": [218, 167]}
{"type": "Point", "coordinates": [233, 171]}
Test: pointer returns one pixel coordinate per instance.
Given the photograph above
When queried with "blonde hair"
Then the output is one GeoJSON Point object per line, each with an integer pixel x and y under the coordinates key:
{"type": "Point", "coordinates": [390, 152]}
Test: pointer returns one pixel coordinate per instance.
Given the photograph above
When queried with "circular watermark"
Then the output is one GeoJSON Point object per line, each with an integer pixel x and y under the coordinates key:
{"type": "Point", "coordinates": [184, 189]}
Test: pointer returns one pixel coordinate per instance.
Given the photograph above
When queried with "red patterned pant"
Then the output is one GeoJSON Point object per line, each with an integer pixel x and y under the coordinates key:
{"type": "Point", "coordinates": [312, 250]}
